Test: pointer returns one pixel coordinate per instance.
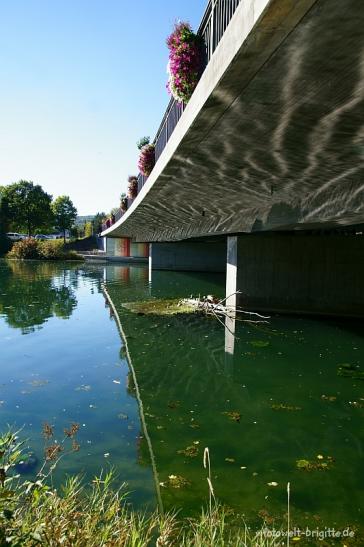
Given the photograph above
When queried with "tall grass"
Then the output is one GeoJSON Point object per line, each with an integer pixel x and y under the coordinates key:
{"type": "Point", "coordinates": [95, 515]}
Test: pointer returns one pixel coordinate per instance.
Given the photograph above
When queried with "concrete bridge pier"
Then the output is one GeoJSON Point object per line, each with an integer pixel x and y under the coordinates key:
{"type": "Point", "coordinates": [284, 272]}
{"type": "Point", "coordinates": [299, 272]}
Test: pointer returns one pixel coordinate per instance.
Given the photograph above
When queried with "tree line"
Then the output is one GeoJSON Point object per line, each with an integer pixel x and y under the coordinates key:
{"type": "Point", "coordinates": [26, 207]}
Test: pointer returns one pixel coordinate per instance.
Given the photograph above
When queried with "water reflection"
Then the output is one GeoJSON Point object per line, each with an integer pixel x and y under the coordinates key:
{"type": "Point", "coordinates": [230, 323]}
{"type": "Point", "coordinates": [261, 401]}
{"type": "Point", "coordinates": [262, 397]}
{"type": "Point", "coordinates": [73, 371]}
{"type": "Point", "coordinates": [29, 295]}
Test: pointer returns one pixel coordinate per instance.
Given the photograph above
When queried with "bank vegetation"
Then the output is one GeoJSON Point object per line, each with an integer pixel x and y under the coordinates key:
{"type": "Point", "coordinates": [33, 513]}
{"type": "Point", "coordinates": [34, 249]}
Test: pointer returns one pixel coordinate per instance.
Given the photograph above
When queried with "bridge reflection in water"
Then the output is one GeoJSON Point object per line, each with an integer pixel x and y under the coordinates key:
{"type": "Point", "coordinates": [259, 400]}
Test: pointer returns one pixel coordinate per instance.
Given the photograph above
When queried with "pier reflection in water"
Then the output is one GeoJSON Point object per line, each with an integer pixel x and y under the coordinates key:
{"type": "Point", "coordinates": [262, 401]}
{"type": "Point", "coordinates": [266, 399]}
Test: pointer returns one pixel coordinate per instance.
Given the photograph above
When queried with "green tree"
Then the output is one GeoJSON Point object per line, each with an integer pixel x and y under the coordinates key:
{"type": "Point", "coordinates": [28, 206]}
{"type": "Point", "coordinates": [4, 242]}
{"type": "Point", "coordinates": [97, 222]}
{"type": "Point", "coordinates": [88, 229]}
{"type": "Point", "coordinates": [65, 214]}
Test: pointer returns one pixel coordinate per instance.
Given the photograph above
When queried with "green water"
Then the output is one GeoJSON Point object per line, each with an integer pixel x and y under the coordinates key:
{"type": "Point", "coordinates": [274, 399]}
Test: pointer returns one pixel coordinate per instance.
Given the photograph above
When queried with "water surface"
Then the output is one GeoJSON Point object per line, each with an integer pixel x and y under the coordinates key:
{"type": "Point", "coordinates": [277, 398]}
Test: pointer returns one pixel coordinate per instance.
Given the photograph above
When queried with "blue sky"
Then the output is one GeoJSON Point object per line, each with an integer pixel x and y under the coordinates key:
{"type": "Point", "coordinates": [80, 82]}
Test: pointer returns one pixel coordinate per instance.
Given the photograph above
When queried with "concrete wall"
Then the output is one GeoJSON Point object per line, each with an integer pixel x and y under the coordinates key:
{"type": "Point", "coordinates": [302, 273]}
{"type": "Point", "coordinates": [119, 246]}
{"type": "Point", "coordinates": [124, 247]}
{"type": "Point", "coordinates": [208, 255]}
{"type": "Point", "coordinates": [140, 250]}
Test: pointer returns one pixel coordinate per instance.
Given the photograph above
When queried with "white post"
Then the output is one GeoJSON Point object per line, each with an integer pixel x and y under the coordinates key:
{"type": "Point", "coordinates": [150, 263]}
{"type": "Point", "coordinates": [230, 292]}
{"type": "Point", "coordinates": [231, 270]}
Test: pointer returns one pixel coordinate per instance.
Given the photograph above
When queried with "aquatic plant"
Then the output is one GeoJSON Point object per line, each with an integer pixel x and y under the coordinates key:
{"type": "Point", "coordinates": [284, 406]}
{"type": "Point", "coordinates": [186, 61]}
{"type": "Point", "coordinates": [313, 465]}
{"type": "Point", "coordinates": [330, 398]}
{"type": "Point", "coordinates": [233, 415]}
{"type": "Point", "coordinates": [190, 451]}
{"type": "Point", "coordinates": [349, 370]}
{"type": "Point", "coordinates": [158, 307]}
{"type": "Point", "coordinates": [146, 160]}
{"type": "Point", "coordinates": [259, 343]}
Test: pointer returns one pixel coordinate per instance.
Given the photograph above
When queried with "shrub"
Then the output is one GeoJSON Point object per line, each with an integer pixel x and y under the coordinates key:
{"type": "Point", "coordinates": [55, 250]}
{"type": "Point", "coordinates": [25, 249]}
{"type": "Point", "coordinates": [42, 250]}
{"type": "Point", "coordinates": [146, 159]}
{"type": "Point", "coordinates": [186, 62]}
{"type": "Point", "coordinates": [51, 250]}
{"type": "Point", "coordinates": [132, 186]}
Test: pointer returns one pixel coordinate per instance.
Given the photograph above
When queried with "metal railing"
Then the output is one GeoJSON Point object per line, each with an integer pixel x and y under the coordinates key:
{"type": "Point", "coordinates": [215, 20]}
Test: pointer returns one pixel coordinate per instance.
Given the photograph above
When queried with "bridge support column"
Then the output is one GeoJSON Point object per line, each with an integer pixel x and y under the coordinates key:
{"type": "Point", "coordinates": [207, 255]}
{"type": "Point", "coordinates": [231, 270]}
{"type": "Point", "coordinates": [230, 290]}
{"type": "Point", "coordinates": [301, 273]}
{"type": "Point", "coordinates": [150, 262]}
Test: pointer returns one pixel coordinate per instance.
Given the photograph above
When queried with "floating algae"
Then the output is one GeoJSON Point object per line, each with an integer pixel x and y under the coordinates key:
{"type": "Point", "coordinates": [176, 481]}
{"type": "Point", "coordinates": [159, 307]}
{"type": "Point", "coordinates": [350, 371]}
{"type": "Point", "coordinates": [232, 415]}
{"type": "Point", "coordinates": [174, 404]}
{"type": "Point", "coordinates": [283, 406]}
{"type": "Point", "coordinates": [312, 465]}
{"type": "Point", "coordinates": [189, 451]}
{"type": "Point", "coordinates": [330, 398]}
{"type": "Point", "coordinates": [259, 343]}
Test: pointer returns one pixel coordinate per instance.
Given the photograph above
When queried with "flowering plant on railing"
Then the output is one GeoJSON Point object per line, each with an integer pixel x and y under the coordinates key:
{"type": "Point", "coordinates": [132, 186]}
{"type": "Point", "coordinates": [146, 159]}
{"type": "Point", "coordinates": [186, 61]}
{"type": "Point", "coordinates": [123, 203]}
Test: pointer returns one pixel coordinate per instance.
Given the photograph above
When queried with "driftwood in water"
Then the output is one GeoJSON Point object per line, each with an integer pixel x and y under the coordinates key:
{"type": "Point", "coordinates": [210, 305]}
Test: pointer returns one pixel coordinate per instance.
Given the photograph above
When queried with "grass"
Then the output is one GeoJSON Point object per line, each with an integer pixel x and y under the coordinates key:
{"type": "Point", "coordinates": [33, 513]}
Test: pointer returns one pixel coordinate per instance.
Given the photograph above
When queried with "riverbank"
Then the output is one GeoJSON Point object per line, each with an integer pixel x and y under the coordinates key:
{"type": "Point", "coordinates": [33, 249]}
{"type": "Point", "coordinates": [32, 512]}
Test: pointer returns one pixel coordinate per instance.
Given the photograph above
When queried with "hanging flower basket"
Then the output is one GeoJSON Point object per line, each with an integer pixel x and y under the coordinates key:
{"type": "Point", "coordinates": [124, 204]}
{"type": "Point", "coordinates": [132, 187]}
{"type": "Point", "coordinates": [146, 159]}
{"type": "Point", "coordinates": [186, 61]}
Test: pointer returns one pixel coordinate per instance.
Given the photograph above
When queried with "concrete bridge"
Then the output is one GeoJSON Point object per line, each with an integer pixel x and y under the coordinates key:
{"type": "Point", "coordinates": [261, 174]}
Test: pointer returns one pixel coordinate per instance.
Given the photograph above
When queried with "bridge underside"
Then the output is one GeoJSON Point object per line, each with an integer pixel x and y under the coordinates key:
{"type": "Point", "coordinates": [290, 272]}
{"type": "Point", "coordinates": [279, 144]}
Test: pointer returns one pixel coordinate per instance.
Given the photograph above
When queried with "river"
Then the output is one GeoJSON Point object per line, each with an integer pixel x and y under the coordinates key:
{"type": "Point", "coordinates": [274, 403]}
